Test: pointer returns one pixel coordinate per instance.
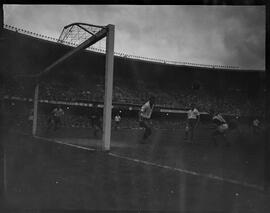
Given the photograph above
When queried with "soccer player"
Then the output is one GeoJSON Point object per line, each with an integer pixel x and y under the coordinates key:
{"type": "Point", "coordinates": [234, 124]}
{"type": "Point", "coordinates": [55, 118]}
{"type": "Point", "coordinates": [256, 126]}
{"type": "Point", "coordinates": [145, 116]}
{"type": "Point", "coordinates": [193, 118]}
{"type": "Point", "coordinates": [221, 127]}
{"type": "Point", "coordinates": [95, 118]}
{"type": "Point", "coordinates": [117, 120]}
{"type": "Point", "coordinates": [31, 117]}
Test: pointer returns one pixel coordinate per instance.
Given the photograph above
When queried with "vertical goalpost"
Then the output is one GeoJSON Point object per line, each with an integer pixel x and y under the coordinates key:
{"type": "Point", "coordinates": [107, 110]}
{"type": "Point", "coordinates": [108, 32]}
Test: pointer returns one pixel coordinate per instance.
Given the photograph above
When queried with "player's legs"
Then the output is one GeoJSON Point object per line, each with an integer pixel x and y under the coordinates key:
{"type": "Point", "coordinates": [214, 136]}
{"type": "Point", "coordinates": [93, 126]}
{"type": "Point", "coordinates": [142, 124]}
{"type": "Point", "coordinates": [147, 129]}
{"type": "Point", "coordinates": [222, 131]}
{"type": "Point", "coordinates": [224, 135]}
{"type": "Point", "coordinates": [256, 130]}
{"type": "Point", "coordinates": [97, 127]}
{"type": "Point", "coordinates": [191, 129]}
{"type": "Point", "coordinates": [116, 125]}
{"type": "Point", "coordinates": [95, 130]}
{"type": "Point", "coordinates": [92, 123]}
{"type": "Point", "coordinates": [191, 134]}
{"type": "Point", "coordinates": [186, 131]}
{"type": "Point", "coordinates": [50, 123]}
{"type": "Point", "coordinates": [57, 123]}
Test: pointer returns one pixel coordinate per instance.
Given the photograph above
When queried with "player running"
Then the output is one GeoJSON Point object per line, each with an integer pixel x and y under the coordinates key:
{"type": "Point", "coordinates": [193, 118]}
{"type": "Point", "coordinates": [55, 118]}
{"type": "Point", "coordinates": [117, 119]}
{"type": "Point", "coordinates": [145, 116]}
{"type": "Point", "coordinates": [221, 128]}
{"type": "Point", "coordinates": [95, 118]}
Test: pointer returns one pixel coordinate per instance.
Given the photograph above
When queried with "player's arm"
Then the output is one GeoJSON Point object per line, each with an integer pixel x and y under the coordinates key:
{"type": "Point", "coordinates": [53, 111]}
{"type": "Point", "coordinates": [198, 119]}
{"type": "Point", "coordinates": [142, 110]}
{"type": "Point", "coordinates": [187, 118]}
{"type": "Point", "coordinates": [186, 124]}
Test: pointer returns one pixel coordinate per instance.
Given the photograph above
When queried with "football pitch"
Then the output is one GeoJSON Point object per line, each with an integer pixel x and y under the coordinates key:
{"type": "Point", "coordinates": [65, 170]}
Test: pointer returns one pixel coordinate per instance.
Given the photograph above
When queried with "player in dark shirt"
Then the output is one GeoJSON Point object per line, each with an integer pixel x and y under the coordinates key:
{"type": "Point", "coordinates": [55, 118]}
{"type": "Point", "coordinates": [95, 118]}
{"type": "Point", "coordinates": [221, 127]}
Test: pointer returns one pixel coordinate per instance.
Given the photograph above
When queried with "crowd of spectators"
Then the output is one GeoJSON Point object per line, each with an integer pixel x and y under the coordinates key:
{"type": "Point", "coordinates": [80, 121]}
{"type": "Point", "coordinates": [230, 103]}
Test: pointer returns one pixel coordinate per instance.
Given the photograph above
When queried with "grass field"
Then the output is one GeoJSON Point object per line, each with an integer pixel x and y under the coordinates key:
{"type": "Point", "coordinates": [166, 174]}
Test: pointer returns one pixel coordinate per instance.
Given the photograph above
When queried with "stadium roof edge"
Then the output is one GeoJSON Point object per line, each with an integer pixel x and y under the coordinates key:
{"type": "Point", "coordinates": [188, 65]}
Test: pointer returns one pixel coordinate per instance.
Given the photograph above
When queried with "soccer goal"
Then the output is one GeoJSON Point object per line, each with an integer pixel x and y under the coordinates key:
{"type": "Point", "coordinates": [94, 34]}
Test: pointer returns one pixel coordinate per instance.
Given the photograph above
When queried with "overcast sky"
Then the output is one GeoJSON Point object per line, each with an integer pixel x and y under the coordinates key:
{"type": "Point", "coordinates": [222, 35]}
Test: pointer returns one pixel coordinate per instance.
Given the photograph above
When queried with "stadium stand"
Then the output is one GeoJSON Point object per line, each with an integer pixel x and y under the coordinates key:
{"type": "Point", "coordinates": [231, 102]}
{"type": "Point", "coordinates": [175, 87]}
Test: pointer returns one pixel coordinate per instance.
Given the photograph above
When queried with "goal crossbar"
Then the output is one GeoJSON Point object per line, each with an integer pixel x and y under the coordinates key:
{"type": "Point", "coordinates": [92, 40]}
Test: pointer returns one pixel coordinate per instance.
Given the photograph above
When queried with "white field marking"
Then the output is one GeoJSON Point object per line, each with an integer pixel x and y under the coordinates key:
{"type": "Point", "coordinates": [67, 144]}
{"type": "Point", "coordinates": [210, 176]}
{"type": "Point", "coordinates": [56, 141]}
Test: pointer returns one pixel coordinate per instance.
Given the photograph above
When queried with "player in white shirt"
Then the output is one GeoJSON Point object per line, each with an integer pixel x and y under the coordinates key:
{"type": "Point", "coordinates": [193, 118]}
{"type": "Point", "coordinates": [145, 116]}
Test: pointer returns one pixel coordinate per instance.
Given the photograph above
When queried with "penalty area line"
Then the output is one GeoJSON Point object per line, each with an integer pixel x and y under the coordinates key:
{"type": "Point", "coordinates": [63, 143]}
{"type": "Point", "coordinates": [209, 176]}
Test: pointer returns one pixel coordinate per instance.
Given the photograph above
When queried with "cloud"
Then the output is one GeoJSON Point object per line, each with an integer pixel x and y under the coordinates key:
{"type": "Point", "coordinates": [225, 35]}
{"type": "Point", "coordinates": [244, 38]}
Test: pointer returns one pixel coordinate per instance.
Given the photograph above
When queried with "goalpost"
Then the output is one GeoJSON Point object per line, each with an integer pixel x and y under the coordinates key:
{"type": "Point", "coordinates": [108, 32]}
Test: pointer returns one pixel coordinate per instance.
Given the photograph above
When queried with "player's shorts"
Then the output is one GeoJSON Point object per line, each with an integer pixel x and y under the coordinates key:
{"type": "Point", "coordinates": [191, 123]}
{"type": "Point", "coordinates": [95, 122]}
{"type": "Point", "coordinates": [56, 120]}
{"type": "Point", "coordinates": [144, 122]}
{"type": "Point", "coordinates": [223, 128]}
